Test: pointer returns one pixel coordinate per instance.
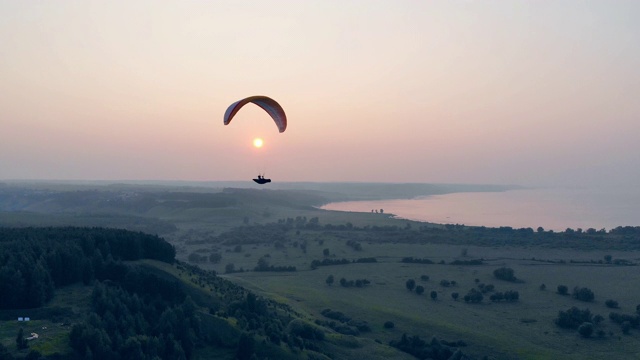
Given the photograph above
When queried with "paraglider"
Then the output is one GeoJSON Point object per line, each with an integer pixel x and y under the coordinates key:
{"type": "Point", "coordinates": [267, 104]}
{"type": "Point", "coordinates": [261, 180]}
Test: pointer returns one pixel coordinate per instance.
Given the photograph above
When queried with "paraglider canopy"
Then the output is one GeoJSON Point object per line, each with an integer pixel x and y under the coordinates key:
{"type": "Point", "coordinates": [266, 103]}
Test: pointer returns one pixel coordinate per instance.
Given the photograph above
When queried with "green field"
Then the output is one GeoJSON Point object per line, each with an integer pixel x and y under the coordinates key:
{"type": "Point", "coordinates": [522, 330]}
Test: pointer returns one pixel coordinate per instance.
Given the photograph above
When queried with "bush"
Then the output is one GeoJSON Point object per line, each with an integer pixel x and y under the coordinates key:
{"type": "Point", "coordinates": [563, 290]}
{"type": "Point", "coordinates": [573, 318]}
{"type": "Point", "coordinates": [410, 284]}
{"type": "Point", "coordinates": [389, 325]}
{"type": "Point", "coordinates": [473, 296]}
{"type": "Point", "coordinates": [583, 294]}
{"type": "Point", "coordinates": [509, 296]}
{"type": "Point", "coordinates": [335, 315]}
{"type": "Point", "coordinates": [505, 273]}
{"type": "Point", "coordinates": [586, 329]}
{"type": "Point", "coordinates": [305, 330]}
{"type": "Point", "coordinates": [229, 268]}
{"type": "Point", "coordinates": [611, 304]}
{"type": "Point", "coordinates": [633, 320]}
{"type": "Point", "coordinates": [330, 279]}
{"type": "Point", "coordinates": [419, 289]}
{"type": "Point", "coordinates": [215, 258]}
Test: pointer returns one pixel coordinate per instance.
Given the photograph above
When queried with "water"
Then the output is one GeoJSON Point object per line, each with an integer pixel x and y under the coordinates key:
{"type": "Point", "coordinates": [551, 208]}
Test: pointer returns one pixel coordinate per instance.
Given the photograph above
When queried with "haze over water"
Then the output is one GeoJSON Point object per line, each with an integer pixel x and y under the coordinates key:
{"type": "Point", "coordinates": [552, 208]}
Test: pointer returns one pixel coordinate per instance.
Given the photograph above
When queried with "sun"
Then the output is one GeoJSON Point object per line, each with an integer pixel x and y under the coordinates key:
{"type": "Point", "coordinates": [257, 142]}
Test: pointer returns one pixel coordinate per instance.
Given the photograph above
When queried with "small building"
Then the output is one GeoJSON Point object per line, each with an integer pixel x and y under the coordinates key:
{"type": "Point", "coordinates": [20, 319]}
{"type": "Point", "coordinates": [26, 319]}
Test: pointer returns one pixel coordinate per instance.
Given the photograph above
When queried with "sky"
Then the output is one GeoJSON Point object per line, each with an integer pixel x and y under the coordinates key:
{"type": "Point", "coordinates": [497, 92]}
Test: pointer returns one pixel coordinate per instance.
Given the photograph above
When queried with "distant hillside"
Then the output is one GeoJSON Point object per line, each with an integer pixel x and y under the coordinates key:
{"type": "Point", "coordinates": [331, 191]}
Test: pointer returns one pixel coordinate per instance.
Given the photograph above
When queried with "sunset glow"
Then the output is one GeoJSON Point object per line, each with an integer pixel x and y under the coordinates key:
{"type": "Point", "coordinates": [257, 142]}
{"type": "Point", "coordinates": [509, 92]}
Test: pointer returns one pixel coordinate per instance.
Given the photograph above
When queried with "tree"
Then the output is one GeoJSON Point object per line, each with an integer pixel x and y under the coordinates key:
{"type": "Point", "coordinates": [4, 353]}
{"type": "Point", "coordinates": [215, 258]}
{"type": "Point", "coordinates": [511, 295]}
{"type": "Point", "coordinates": [195, 257]}
{"type": "Point", "coordinates": [505, 273]}
{"type": "Point", "coordinates": [611, 304]}
{"type": "Point", "coordinates": [573, 318]}
{"type": "Point", "coordinates": [263, 264]}
{"type": "Point", "coordinates": [229, 268]}
{"type": "Point", "coordinates": [410, 284]}
{"type": "Point", "coordinates": [245, 347]}
{"type": "Point", "coordinates": [434, 295]}
{"type": "Point", "coordinates": [455, 296]}
{"type": "Point", "coordinates": [586, 329]}
{"type": "Point", "coordinates": [329, 280]}
{"type": "Point", "coordinates": [583, 294]}
{"type": "Point", "coordinates": [381, 211]}
{"type": "Point", "coordinates": [21, 342]}
{"type": "Point", "coordinates": [563, 290]}
{"type": "Point", "coordinates": [389, 325]}
{"type": "Point", "coordinates": [419, 289]}
{"type": "Point", "coordinates": [543, 287]}
{"type": "Point", "coordinates": [607, 259]}
{"type": "Point", "coordinates": [325, 252]}
{"type": "Point", "coordinates": [473, 296]}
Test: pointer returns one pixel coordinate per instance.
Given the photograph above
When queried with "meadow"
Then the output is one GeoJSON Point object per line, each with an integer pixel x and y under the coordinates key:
{"type": "Point", "coordinates": [521, 330]}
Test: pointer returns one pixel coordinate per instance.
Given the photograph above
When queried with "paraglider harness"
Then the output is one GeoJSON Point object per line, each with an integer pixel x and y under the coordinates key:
{"type": "Point", "coordinates": [261, 180]}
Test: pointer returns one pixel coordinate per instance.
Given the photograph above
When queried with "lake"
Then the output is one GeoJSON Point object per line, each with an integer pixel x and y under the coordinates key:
{"type": "Point", "coordinates": [552, 208]}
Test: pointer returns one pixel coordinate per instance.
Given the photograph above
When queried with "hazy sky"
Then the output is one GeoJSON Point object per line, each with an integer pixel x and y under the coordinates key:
{"type": "Point", "coordinates": [504, 92]}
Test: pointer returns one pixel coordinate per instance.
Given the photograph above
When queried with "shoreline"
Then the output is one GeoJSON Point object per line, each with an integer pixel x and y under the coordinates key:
{"type": "Point", "coordinates": [551, 209]}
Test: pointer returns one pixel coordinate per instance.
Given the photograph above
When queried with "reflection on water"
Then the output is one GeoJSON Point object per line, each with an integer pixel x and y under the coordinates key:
{"type": "Point", "coordinates": [553, 209]}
